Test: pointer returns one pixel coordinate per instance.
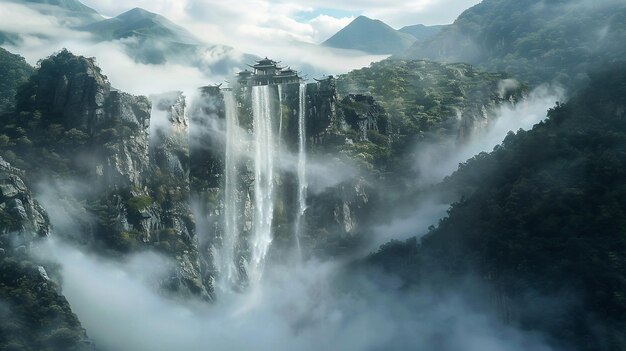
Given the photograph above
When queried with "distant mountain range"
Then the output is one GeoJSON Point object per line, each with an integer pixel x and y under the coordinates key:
{"type": "Point", "coordinates": [371, 36]}
{"type": "Point", "coordinates": [153, 39]}
{"type": "Point", "coordinates": [140, 23]}
{"type": "Point", "coordinates": [146, 37]}
{"type": "Point", "coordinates": [422, 32]}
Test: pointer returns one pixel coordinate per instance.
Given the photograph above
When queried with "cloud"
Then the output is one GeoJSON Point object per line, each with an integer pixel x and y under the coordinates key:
{"type": "Point", "coordinates": [123, 72]}
{"type": "Point", "coordinates": [436, 160]}
{"type": "Point", "coordinates": [297, 307]}
{"type": "Point", "coordinates": [275, 40]}
{"type": "Point", "coordinates": [226, 22]}
{"type": "Point", "coordinates": [326, 26]}
{"type": "Point", "coordinates": [30, 23]}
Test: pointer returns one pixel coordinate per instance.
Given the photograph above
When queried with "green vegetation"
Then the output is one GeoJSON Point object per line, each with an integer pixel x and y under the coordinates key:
{"type": "Point", "coordinates": [536, 41]}
{"type": "Point", "coordinates": [33, 315]}
{"type": "Point", "coordinates": [14, 71]}
{"type": "Point", "coordinates": [423, 100]}
{"type": "Point", "coordinates": [139, 203]}
{"type": "Point", "coordinates": [543, 217]}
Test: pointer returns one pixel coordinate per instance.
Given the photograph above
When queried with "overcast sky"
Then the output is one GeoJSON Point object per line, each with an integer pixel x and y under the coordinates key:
{"type": "Point", "coordinates": [220, 21]}
{"type": "Point", "coordinates": [284, 30]}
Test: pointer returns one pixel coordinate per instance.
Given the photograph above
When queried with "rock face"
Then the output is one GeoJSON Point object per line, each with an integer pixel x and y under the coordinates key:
{"type": "Point", "coordinates": [362, 113]}
{"type": "Point", "coordinates": [135, 160]}
{"type": "Point", "coordinates": [326, 129]}
{"type": "Point", "coordinates": [155, 172]}
{"type": "Point", "coordinates": [110, 126]}
{"type": "Point", "coordinates": [23, 219]}
{"type": "Point", "coordinates": [25, 287]}
{"type": "Point", "coordinates": [125, 160]}
{"type": "Point", "coordinates": [169, 221]}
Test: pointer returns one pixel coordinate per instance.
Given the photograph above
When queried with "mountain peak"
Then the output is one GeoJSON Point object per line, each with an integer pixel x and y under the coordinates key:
{"type": "Point", "coordinates": [142, 23]}
{"type": "Point", "coordinates": [137, 12]}
{"type": "Point", "coordinates": [370, 35]}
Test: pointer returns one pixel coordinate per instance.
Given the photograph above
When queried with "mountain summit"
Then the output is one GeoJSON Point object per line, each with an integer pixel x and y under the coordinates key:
{"type": "Point", "coordinates": [371, 36]}
{"type": "Point", "coordinates": [140, 23]}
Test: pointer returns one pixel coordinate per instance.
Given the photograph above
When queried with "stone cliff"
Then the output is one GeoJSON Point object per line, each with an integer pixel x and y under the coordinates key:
{"type": "Point", "coordinates": [34, 315]}
{"type": "Point", "coordinates": [137, 167]}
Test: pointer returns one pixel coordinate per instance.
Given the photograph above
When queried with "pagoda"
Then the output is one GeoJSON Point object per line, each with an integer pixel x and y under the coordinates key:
{"type": "Point", "coordinates": [267, 72]}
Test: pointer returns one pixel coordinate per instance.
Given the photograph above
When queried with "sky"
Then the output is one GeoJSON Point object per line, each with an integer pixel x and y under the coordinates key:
{"type": "Point", "coordinates": [287, 31]}
{"type": "Point", "coordinates": [221, 21]}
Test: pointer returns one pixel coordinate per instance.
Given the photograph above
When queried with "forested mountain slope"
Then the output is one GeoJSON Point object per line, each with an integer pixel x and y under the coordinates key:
{"type": "Point", "coordinates": [534, 40]}
{"type": "Point", "coordinates": [542, 218]}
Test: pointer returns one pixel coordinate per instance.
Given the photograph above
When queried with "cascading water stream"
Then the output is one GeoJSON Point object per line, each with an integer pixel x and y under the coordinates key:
{"type": "Point", "coordinates": [302, 182]}
{"type": "Point", "coordinates": [228, 265]}
{"type": "Point", "coordinates": [264, 149]}
{"type": "Point", "coordinates": [280, 116]}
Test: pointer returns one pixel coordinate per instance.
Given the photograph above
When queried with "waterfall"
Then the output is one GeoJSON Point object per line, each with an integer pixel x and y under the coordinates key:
{"type": "Point", "coordinates": [280, 116]}
{"type": "Point", "coordinates": [302, 183]}
{"type": "Point", "coordinates": [227, 257]}
{"type": "Point", "coordinates": [264, 148]}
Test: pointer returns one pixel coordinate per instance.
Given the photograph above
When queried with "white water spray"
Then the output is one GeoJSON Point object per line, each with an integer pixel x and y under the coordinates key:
{"type": "Point", "coordinates": [263, 181]}
{"type": "Point", "coordinates": [302, 183]}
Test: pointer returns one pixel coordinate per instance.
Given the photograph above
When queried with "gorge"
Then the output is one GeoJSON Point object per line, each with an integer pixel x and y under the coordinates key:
{"type": "Point", "coordinates": [160, 192]}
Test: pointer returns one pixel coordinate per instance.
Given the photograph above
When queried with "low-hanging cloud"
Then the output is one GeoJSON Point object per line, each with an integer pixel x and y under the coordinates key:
{"type": "Point", "coordinates": [296, 307]}
{"type": "Point", "coordinates": [436, 160]}
{"type": "Point", "coordinates": [50, 34]}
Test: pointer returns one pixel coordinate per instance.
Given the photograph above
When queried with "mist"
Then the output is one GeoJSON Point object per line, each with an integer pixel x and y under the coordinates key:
{"type": "Point", "coordinates": [433, 161]}
{"type": "Point", "coordinates": [41, 33]}
{"type": "Point", "coordinates": [298, 307]}
{"type": "Point", "coordinates": [310, 305]}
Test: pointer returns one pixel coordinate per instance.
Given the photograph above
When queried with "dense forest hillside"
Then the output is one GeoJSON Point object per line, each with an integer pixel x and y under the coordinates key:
{"type": "Point", "coordinates": [536, 40]}
{"type": "Point", "coordinates": [542, 218]}
{"type": "Point", "coordinates": [427, 99]}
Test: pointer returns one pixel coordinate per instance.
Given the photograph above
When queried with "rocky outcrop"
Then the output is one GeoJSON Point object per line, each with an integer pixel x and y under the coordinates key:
{"type": "Point", "coordinates": [22, 218]}
{"type": "Point", "coordinates": [321, 110]}
{"type": "Point", "coordinates": [34, 315]}
{"type": "Point", "coordinates": [125, 161]}
{"type": "Point", "coordinates": [169, 221]}
{"type": "Point", "coordinates": [135, 160]}
{"type": "Point", "coordinates": [336, 218]}
{"type": "Point", "coordinates": [71, 89]}
{"type": "Point", "coordinates": [104, 132]}
{"type": "Point", "coordinates": [362, 113]}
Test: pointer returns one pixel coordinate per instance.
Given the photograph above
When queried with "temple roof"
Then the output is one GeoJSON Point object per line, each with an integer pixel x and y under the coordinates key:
{"type": "Point", "coordinates": [268, 71]}
{"type": "Point", "coordinates": [266, 61]}
{"type": "Point", "coordinates": [288, 72]}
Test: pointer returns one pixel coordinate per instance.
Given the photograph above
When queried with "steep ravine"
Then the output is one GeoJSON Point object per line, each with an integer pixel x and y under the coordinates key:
{"type": "Point", "coordinates": [136, 174]}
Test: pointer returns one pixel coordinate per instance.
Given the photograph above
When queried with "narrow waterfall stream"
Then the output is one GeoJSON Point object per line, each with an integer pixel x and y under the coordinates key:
{"type": "Point", "coordinates": [264, 155]}
{"type": "Point", "coordinates": [280, 116]}
{"type": "Point", "coordinates": [302, 182]}
{"type": "Point", "coordinates": [227, 258]}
